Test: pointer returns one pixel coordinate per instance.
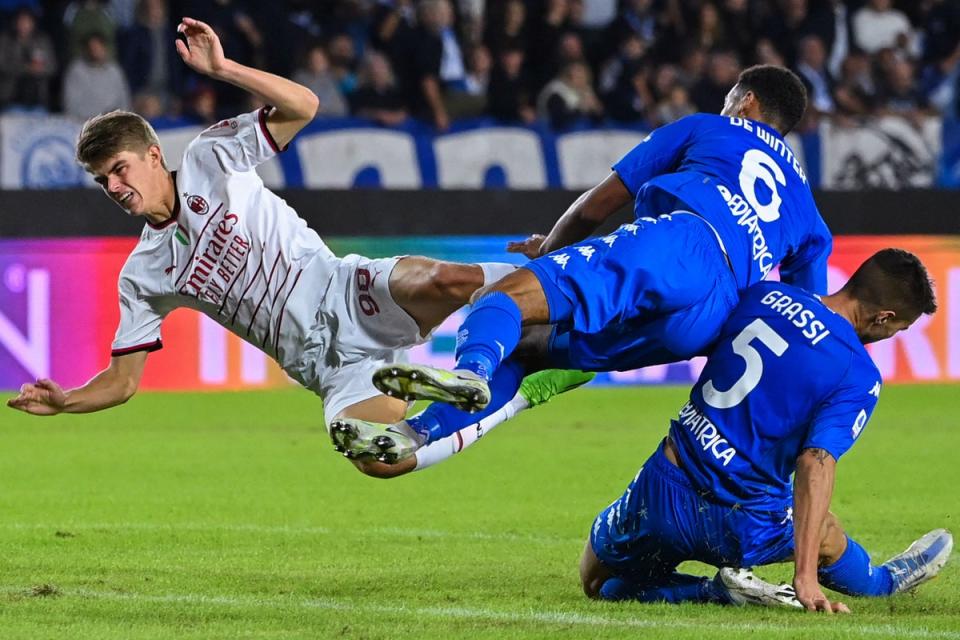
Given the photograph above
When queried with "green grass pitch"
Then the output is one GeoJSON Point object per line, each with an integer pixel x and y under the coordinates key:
{"type": "Point", "coordinates": [229, 516]}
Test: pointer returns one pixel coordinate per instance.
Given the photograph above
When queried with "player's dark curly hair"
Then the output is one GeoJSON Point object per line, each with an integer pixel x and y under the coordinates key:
{"type": "Point", "coordinates": [781, 94]}
{"type": "Point", "coordinates": [896, 280]}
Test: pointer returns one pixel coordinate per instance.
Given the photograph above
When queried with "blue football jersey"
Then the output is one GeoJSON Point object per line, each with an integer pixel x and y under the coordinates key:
{"type": "Point", "coordinates": [787, 374]}
{"type": "Point", "coordinates": [743, 178]}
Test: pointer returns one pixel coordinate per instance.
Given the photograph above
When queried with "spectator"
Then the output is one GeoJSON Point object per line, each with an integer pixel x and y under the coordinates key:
{"type": "Point", "coordinates": [316, 76]}
{"type": "Point", "coordinates": [508, 98]}
{"type": "Point", "coordinates": [675, 106]}
{"type": "Point", "coordinates": [84, 18]}
{"type": "Point", "coordinates": [855, 93]}
{"type": "Point", "coordinates": [469, 98]}
{"type": "Point", "coordinates": [377, 96]}
{"type": "Point", "coordinates": [636, 18]}
{"type": "Point", "coordinates": [765, 52]}
{"type": "Point", "coordinates": [437, 62]}
{"type": "Point", "coordinates": [901, 95]}
{"type": "Point", "coordinates": [569, 97]}
{"type": "Point", "coordinates": [631, 100]}
{"type": "Point", "coordinates": [739, 27]}
{"type": "Point", "coordinates": [201, 106]}
{"type": "Point", "coordinates": [629, 54]}
{"type": "Point", "coordinates": [343, 62]}
{"type": "Point", "coordinates": [508, 30]}
{"type": "Point", "coordinates": [812, 69]}
{"type": "Point", "coordinates": [710, 92]}
{"type": "Point", "coordinates": [546, 30]}
{"type": "Point", "coordinates": [94, 83]}
{"type": "Point", "coordinates": [149, 61]}
{"type": "Point", "coordinates": [879, 26]}
{"type": "Point", "coordinates": [710, 32]}
{"type": "Point", "coordinates": [27, 61]}
{"type": "Point", "coordinates": [149, 105]}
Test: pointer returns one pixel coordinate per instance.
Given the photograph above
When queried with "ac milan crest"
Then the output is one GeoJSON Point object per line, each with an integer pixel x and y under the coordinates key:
{"type": "Point", "coordinates": [198, 205]}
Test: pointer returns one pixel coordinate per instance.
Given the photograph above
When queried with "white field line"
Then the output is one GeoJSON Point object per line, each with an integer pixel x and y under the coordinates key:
{"type": "Point", "coordinates": [564, 618]}
{"type": "Point", "coordinates": [400, 532]}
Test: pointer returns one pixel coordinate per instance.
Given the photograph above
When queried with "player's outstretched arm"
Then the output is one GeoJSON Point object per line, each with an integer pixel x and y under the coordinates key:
{"type": "Point", "coordinates": [580, 219]}
{"type": "Point", "coordinates": [813, 488]}
{"type": "Point", "coordinates": [294, 105]}
{"type": "Point", "coordinates": [112, 386]}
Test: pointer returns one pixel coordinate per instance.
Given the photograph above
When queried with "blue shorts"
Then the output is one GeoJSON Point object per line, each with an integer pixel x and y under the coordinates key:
{"type": "Point", "coordinates": [651, 292]}
{"type": "Point", "coordinates": [661, 520]}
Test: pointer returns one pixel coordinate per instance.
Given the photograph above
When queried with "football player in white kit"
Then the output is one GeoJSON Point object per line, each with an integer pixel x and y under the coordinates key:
{"type": "Point", "coordinates": [216, 240]}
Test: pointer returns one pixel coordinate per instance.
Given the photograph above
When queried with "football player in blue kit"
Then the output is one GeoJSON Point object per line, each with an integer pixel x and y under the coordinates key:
{"type": "Point", "coordinates": [788, 389]}
{"type": "Point", "coordinates": [720, 200]}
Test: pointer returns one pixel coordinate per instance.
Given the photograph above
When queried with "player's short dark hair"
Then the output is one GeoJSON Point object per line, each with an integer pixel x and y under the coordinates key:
{"type": "Point", "coordinates": [895, 280]}
{"type": "Point", "coordinates": [105, 135]}
{"type": "Point", "coordinates": [781, 94]}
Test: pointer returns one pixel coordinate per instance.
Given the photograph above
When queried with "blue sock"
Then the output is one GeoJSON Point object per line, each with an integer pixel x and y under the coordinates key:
{"type": "Point", "coordinates": [853, 574]}
{"type": "Point", "coordinates": [675, 588]}
{"type": "Point", "coordinates": [440, 420]}
{"type": "Point", "coordinates": [489, 334]}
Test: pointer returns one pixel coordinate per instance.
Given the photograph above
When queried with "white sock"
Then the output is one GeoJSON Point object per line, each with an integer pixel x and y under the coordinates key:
{"type": "Point", "coordinates": [442, 449]}
{"type": "Point", "coordinates": [493, 271]}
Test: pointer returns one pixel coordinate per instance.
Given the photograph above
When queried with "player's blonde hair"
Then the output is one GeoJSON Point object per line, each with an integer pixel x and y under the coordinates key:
{"type": "Point", "coordinates": [110, 133]}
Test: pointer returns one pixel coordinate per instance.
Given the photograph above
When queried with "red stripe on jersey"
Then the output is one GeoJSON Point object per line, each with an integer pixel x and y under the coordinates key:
{"type": "Point", "coordinates": [283, 309]}
{"type": "Point", "coordinates": [459, 442]}
{"type": "Point", "coordinates": [156, 345]}
{"type": "Point", "coordinates": [249, 284]}
{"type": "Point", "coordinates": [236, 279]}
{"type": "Point", "coordinates": [262, 118]}
{"type": "Point", "coordinates": [273, 303]}
{"type": "Point", "coordinates": [266, 290]}
{"type": "Point", "coordinates": [186, 267]}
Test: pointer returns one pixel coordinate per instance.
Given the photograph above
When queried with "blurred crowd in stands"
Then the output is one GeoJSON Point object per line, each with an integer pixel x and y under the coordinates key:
{"type": "Point", "coordinates": [562, 62]}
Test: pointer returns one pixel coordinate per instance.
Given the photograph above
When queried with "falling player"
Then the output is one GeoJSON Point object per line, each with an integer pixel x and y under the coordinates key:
{"type": "Point", "coordinates": [788, 388]}
{"type": "Point", "coordinates": [720, 201]}
{"type": "Point", "coordinates": [216, 240]}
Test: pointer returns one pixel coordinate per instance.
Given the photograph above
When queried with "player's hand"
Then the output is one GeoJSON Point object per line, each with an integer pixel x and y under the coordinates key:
{"type": "Point", "coordinates": [529, 247]}
{"type": "Point", "coordinates": [812, 598]}
{"type": "Point", "coordinates": [45, 398]}
{"type": "Point", "coordinates": [202, 51]}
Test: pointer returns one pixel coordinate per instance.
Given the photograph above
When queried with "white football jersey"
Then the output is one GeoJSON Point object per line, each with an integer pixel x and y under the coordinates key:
{"type": "Point", "coordinates": [232, 250]}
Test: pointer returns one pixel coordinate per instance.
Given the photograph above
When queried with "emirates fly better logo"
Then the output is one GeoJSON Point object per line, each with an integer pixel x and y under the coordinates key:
{"type": "Point", "coordinates": [198, 205]}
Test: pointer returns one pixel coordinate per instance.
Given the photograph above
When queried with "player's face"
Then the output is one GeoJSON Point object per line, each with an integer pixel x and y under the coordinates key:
{"type": "Point", "coordinates": [133, 180]}
{"type": "Point", "coordinates": [731, 104]}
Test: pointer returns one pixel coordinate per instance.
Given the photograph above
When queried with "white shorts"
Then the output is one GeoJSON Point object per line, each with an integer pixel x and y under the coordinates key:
{"type": "Point", "coordinates": [360, 329]}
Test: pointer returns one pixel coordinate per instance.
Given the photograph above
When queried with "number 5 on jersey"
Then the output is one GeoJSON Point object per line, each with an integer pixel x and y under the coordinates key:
{"type": "Point", "coordinates": [761, 331]}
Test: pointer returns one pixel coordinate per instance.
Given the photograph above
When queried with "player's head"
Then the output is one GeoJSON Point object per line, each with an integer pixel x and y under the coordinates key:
{"type": "Point", "coordinates": [122, 152]}
{"type": "Point", "coordinates": [770, 94]}
{"type": "Point", "coordinates": [891, 289]}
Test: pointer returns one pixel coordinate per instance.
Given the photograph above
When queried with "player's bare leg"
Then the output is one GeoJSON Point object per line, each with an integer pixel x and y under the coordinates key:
{"type": "Point", "coordinates": [430, 290]}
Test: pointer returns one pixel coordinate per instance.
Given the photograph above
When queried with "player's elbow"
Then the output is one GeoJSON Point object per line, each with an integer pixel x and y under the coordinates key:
{"type": "Point", "coordinates": [311, 105]}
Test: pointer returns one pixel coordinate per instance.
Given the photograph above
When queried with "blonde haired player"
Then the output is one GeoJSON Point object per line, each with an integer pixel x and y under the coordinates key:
{"type": "Point", "coordinates": [218, 241]}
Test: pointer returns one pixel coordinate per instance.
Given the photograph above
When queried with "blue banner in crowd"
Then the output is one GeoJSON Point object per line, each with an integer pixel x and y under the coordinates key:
{"type": "Point", "coordinates": [36, 152]}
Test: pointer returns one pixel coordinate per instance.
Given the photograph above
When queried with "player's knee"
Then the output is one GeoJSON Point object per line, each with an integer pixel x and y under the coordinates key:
{"type": "Point", "coordinates": [833, 540]}
{"type": "Point", "coordinates": [450, 281]}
